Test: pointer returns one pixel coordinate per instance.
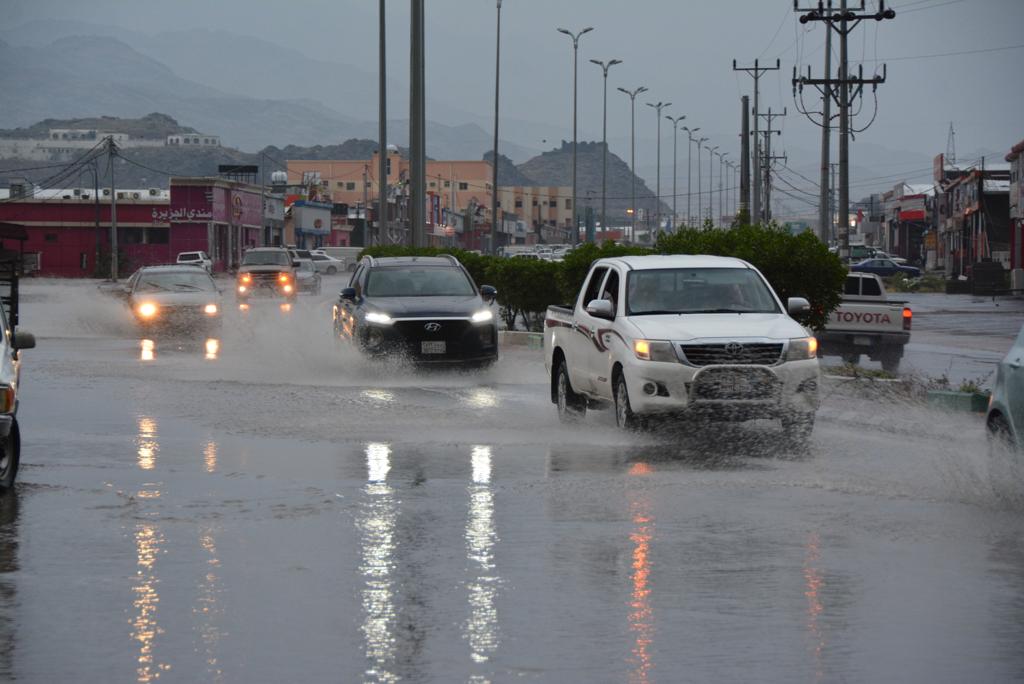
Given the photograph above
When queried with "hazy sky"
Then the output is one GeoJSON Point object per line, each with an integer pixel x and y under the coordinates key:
{"type": "Point", "coordinates": [680, 49]}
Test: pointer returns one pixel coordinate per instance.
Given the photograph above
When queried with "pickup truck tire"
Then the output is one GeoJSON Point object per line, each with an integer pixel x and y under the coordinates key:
{"type": "Point", "coordinates": [798, 428]}
{"type": "Point", "coordinates": [10, 457]}
{"type": "Point", "coordinates": [624, 416]}
{"type": "Point", "coordinates": [890, 360]}
{"type": "Point", "coordinates": [571, 406]}
{"type": "Point", "coordinates": [853, 359]}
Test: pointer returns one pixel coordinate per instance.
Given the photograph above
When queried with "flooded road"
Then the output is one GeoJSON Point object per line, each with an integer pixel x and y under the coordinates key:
{"type": "Point", "coordinates": [269, 508]}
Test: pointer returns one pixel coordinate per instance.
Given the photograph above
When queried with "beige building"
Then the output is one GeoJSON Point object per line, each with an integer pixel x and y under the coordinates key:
{"type": "Point", "coordinates": [452, 187]}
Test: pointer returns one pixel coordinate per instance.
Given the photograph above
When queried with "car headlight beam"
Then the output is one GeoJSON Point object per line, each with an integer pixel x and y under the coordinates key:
{"type": "Point", "coordinates": [802, 349]}
{"type": "Point", "coordinates": [210, 309]}
{"type": "Point", "coordinates": [148, 310]}
{"type": "Point", "coordinates": [484, 316]}
{"type": "Point", "coordinates": [378, 318]}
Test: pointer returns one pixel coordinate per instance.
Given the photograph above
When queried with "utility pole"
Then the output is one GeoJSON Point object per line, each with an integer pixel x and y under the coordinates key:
{"type": "Point", "coordinates": [842, 22]}
{"type": "Point", "coordinates": [111, 153]}
{"type": "Point", "coordinates": [382, 129]}
{"type": "Point", "coordinates": [417, 127]}
{"type": "Point", "coordinates": [675, 156]}
{"type": "Point", "coordinates": [366, 207]}
{"type": "Point", "coordinates": [657, 206]}
{"type": "Point", "coordinates": [824, 198]}
{"type": "Point", "coordinates": [575, 53]}
{"type": "Point", "coordinates": [745, 158]}
{"type": "Point", "coordinates": [632, 151]}
{"type": "Point", "coordinates": [756, 71]}
{"type": "Point", "coordinates": [604, 144]}
{"type": "Point", "coordinates": [767, 159]}
{"type": "Point", "coordinates": [494, 169]}
{"type": "Point", "coordinates": [689, 171]}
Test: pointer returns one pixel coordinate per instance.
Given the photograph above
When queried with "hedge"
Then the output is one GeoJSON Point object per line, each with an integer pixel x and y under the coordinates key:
{"type": "Point", "coordinates": [795, 265]}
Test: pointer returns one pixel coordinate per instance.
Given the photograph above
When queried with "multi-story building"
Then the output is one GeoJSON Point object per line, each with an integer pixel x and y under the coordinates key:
{"type": "Point", "coordinates": [972, 216]}
{"type": "Point", "coordinates": [906, 222]}
{"type": "Point", "coordinates": [1016, 160]}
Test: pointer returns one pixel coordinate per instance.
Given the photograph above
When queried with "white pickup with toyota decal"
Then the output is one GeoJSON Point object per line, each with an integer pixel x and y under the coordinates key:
{"type": "Point", "coordinates": [682, 337]}
{"type": "Point", "coordinates": [867, 323]}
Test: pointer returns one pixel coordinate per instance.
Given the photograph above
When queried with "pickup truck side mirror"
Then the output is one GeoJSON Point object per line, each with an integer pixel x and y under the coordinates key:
{"type": "Point", "coordinates": [797, 306]}
{"type": "Point", "coordinates": [348, 293]}
{"type": "Point", "coordinates": [489, 293]}
{"type": "Point", "coordinates": [601, 308]}
{"type": "Point", "coordinates": [23, 340]}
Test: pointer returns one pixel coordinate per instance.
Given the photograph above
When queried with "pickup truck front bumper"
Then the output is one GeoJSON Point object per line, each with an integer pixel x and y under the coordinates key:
{"type": "Point", "coordinates": [730, 392]}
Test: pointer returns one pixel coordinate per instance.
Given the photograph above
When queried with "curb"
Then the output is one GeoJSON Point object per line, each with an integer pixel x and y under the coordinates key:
{"type": "Point", "coordinates": [515, 338]}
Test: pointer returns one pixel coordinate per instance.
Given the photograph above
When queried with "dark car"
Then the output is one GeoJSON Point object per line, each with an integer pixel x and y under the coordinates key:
{"type": "Point", "coordinates": [182, 298]}
{"type": "Point", "coordinates": [266, 272]}
{"type": "Point", "coordinates": [427, 309]}
{"type": "Point", "coordinates": [885, 268]}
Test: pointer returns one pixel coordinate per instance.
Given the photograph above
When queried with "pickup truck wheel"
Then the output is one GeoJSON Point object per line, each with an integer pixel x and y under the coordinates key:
{"type": "Point", "coordinates": [798, 428]}
{"type": "Point", "coordinates": [1000, 439]}
{"type": "Point", "coordinates": [851, 358]}
{"type": "Point", "coordinates": [571, 406]}
{"type": "Point", "coordinates": [624, 416]}
{"type": "Point", "coordinates": [890, 362]}
{"type": "Point", "coordinates": [10, 457]}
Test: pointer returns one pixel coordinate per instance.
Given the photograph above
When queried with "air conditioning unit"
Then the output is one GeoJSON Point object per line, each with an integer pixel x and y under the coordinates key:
{"type": "Point", "coordinates": [136, 195]}
{"type": "Point", "coordinates": [85, 195]}
{"type": "Point", "coordinates": [121, 195]}
{"type": "Point", "coordinates": [154, 192]}
{"type": "Point", "coordinates": [106, 192]}
{"type": "Point", "coordinates": [77, 192]}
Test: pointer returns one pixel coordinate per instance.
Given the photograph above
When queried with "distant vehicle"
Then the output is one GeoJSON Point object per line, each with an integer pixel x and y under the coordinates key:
{"type": "Point", "coordinates": [426, 309]}
{"type": "Point", "coordinates": [1005, 420]}
{"type": "Point", "coordinates": [349, 256]}
{"type": "Point", "coordinates": [12, 341]}
{"type": "Point", "coordinates": [682, 336]}
{"type": "Point", "coordinates": [879, 254]}
{"type": "Point", "coordinates": [325, 263]}
{"type": "Point", "coordinates": [306, 277]}
{"type": "Point", "coordinates": [298, 253]}
{"type": "Point", "coordinates": [266, 272]}
{"type": "Point", "coordinates": [885, 268]}
{"type": "Point", "coordinates": [196, 259]}
{"type": "Point", "coordinates": [177, 298]}
{"type": "Point", "coordinates": [867, 322]}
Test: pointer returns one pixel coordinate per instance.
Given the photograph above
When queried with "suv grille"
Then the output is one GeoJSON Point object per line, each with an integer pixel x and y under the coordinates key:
{"type": "Point", "coordinates": [756, 353]}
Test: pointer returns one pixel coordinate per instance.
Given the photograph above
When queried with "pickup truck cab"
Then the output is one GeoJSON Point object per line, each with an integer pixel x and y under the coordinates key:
{"type": "Point", "coordinates": [682, 336]}
{"type": "Point", "coordinates": [867, 322]}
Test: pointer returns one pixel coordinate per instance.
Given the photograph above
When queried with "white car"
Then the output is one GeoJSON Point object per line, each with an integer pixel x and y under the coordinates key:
{"type": "Point", "coordinates": [682, 336]}
{"type": "Point", "coordinates": [196, 259]}
{"type": "Point", "coordinates": [325, 263]}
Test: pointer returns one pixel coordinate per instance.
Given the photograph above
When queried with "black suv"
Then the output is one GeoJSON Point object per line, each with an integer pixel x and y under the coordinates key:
{"type": "Point", "coordinates": [427, 309]}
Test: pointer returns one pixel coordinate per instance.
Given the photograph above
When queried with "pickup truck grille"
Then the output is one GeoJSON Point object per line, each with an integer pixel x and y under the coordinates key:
{"type": "Point", "coordinates": [733, 353]}
{"type": "Point", "coordinates": [736, 384]}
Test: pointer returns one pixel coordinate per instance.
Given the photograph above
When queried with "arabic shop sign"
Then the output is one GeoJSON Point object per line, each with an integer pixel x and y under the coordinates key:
{"type": "Point", "coordinates": [181, 215]}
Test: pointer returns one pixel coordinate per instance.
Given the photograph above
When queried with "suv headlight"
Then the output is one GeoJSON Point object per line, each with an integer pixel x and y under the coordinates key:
{"type": "Point", "coordinates": [653, 350]}
{"type": "Point", "coordinates": [148, 310]}
{"type": "Point", "coordinates": [484, 316]}
{"type": "Point", "coordinates": [378, 318]}
{"type": "Point", "coordinates": [802, 349]}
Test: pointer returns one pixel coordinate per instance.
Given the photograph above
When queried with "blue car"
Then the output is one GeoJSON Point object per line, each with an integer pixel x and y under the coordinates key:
{"type": "Point", "coordinates": [885, 268]}
{"type": "Point", "coordinates": [1005, 420]}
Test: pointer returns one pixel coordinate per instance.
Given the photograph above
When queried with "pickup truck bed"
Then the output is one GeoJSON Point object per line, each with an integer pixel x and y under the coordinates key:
{"type": "Point", "coordinates": [868, 323]}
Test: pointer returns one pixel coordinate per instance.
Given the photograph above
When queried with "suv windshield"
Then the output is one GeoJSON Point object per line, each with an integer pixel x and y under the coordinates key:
{"type": "Point", "coordinates": [174, 282]}
{"type": "Point", "coordinates": [418, 282]}
{"type": "Point", "coordinates": [266, 259]}
{"type": "Point", "coordinates": [698, 290]}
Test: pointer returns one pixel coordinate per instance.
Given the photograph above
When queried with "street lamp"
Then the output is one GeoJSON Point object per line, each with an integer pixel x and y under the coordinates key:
{"type": "Point", "coordinates": [575, 51]}
{"type": "Point", "coordinates": [494, 170]}
{"type": "Point", "coordinates": [675, 143]}
{"type": "Point", "coordinates": [721, 184]}
{"type": "Point", "coordinates": [711, 182]}
{"type": "Point", "coordinates": [699, 142]}
{"type": "Point", "coordinates": [689, 170]}
{"type": "Point", "coordinates": [657, 207]}
{"type": "Point", "coordinates": [632, 151]}
{"type": "Point", "coordinates": [604, 144]}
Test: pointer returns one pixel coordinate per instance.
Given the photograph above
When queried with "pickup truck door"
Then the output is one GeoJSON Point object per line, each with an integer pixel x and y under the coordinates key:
{"type": "Point", "coordinates": [579, 341]}
{"type": "Point", "coordinates": [598, 357]}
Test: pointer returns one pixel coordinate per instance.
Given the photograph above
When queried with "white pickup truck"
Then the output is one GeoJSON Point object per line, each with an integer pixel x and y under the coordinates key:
{"type": "Point", "coordinates": [682, 335]}
{"type": "Point", "coordinates": [867, 322]}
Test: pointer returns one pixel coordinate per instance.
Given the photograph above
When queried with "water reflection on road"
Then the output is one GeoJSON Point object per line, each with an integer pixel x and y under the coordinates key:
{"type": "Point", "coordinates": [481, 536]}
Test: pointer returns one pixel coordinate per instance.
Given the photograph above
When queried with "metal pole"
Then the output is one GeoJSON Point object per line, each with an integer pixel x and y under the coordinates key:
{"type": "Point", "coordinates": [711, 182]}
{"type": "Point", "coordinates": [826, 117]}
{"type": "Point", "coordinates": [111, 153]}
{"type": "Point", "coordinates": [657, 206]}
{"type": "Point", "coordinates": [689, 172]}
{"type": "Point", "coordinates": [675, 156]}
{"type": "Point", "coordinates": [745, 159]}
{"type": "Point", "coordinates": [604, 145]}
{"type": "Point", "coordinates": [575, 53]}
{"type": "Point", "coordinates": [700, 142]}
{"type": "Point", "coordinates": [494, 171]}
{"type": "Point", "coordinates": [382, 125]}
{"type": "Point", "coordinates": [417, 147]}
{"type": "Point", "coordinates": [632, 150]}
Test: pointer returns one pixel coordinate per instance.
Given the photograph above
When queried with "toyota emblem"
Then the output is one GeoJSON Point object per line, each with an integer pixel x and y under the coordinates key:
{"type": "Point", "coordinates": [432, 327]}
{"type": "Point", "coordinates": [734, 349]}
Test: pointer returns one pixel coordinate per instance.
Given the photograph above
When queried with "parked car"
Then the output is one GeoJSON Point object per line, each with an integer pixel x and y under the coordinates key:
{"type": "Point", "coordinates": [306, 277]}
{"type": "Point", "coordinates": [12, 341]}
{"type": "Point", "coordinates": [867, 322]}
{"type": "Point", "coordinates": [196, 259]}
{"type": "Point", "coordinates": [266, 272]}
{"type": "Point", "coordinates": [1005, 418]}
{"type": "Point", "coordinates": [682, 337]}
{"type": "Point", "coordinates": [885, 268]}
{"type": "Point", "coordinates": [879, 254]}
{"type": "Point", "coordinates": [176, 298]}
{"type": "Point", "coordinates": [349, 256]}
{"type": "Point", "coordinates": [427, 309]}
{"type": "Point", "coordinates": [325, 263]}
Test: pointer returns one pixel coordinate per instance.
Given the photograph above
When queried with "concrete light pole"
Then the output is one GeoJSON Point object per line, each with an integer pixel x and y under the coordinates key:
{"type": "Point", "coordinates": [632, 151]}
{"type": "Point", "coordinates": [675, 144]}
{"type": "Point", "coordinates": [604, 144]}
{"type": "Point", "coordinates": [699, 142]}
{"type": "Point", "coordinates": [657, 207]}
{"type": "Point", "coordinates": [575, 53]}
{"type": "Point", "coordinates": [689, 170]}
{"type": "Point", "coordinates": [711, 182]}
{"type": "Point", "coordinates": [493, 247]}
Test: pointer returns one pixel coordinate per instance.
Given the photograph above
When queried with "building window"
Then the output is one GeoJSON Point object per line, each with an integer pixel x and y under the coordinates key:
{"type": "Point", "coordinates": [340, 184]}
{"type": "Point", "coordinates": [368, 185]}
{"type": "Point", "coordinates": [349, 186]}
{"type": "Point", "coordinates": [158, 235]}
{"type": "Point", "coordinates": [433, 184]}
{"type": "Point", "coordinates": [448, 184]}
{"type": "Point", "coordinates": [568, 204]}
{"type": "Point", "coordinates": [131, 236]}
{"type": "Point", "coordinates": [499, 204]}
{"type": "Point", "coordinates": [553, 204]}
{"type": "Point", "coordinates": [519, 204]}
{"type": "Point", "coordinates": [463, 186]}
{"type": "Point", "coordinates": [51, 237]}
{"type": "Point", "coordinates": [534, 202]}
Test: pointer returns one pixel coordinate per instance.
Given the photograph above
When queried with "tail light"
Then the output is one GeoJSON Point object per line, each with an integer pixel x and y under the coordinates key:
{"type": "Point", "coordinates": [908, 317]}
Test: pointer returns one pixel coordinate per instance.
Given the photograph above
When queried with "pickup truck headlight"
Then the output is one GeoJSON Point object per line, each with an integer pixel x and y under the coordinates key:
{"type": "Point", "coordinates": [378, 318]}
{"type": "Point", "coordinates": [650, 350]}
{"type": "Point", "coordinates": [210, 309]}
{"type": "Point", "coordinates": [802, 349]}
{"type": "Point", "coordinates": [484, 316]}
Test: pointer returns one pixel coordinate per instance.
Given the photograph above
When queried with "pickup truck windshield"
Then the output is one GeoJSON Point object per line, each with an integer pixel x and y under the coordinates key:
{"type": "Point", "coordinates": [266, 259]}
{"type": "Point", "coordinates": [421, 282]}
{"type": "Point", "coordinates": [697, 290]}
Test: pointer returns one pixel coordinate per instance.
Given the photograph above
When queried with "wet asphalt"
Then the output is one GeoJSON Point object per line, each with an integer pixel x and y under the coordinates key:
{"type": "Point", "coordinates": [271, 508]}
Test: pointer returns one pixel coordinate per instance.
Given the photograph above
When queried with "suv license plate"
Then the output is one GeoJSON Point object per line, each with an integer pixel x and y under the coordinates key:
{"type": "Point", "coordinates": [862, 341]}
{"type": "Point", "coordinates": [433, 347]}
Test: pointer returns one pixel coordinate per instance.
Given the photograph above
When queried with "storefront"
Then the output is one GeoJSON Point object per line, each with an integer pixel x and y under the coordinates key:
{"type": "Point", "coordinates": [221, 217]}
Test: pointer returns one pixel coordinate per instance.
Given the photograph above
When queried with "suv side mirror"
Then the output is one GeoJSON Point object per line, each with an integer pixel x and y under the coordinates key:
{"type": "Point", "coordinates": [489, 293]}
{"type": "Point", "coordinates": [601, 308]}
{"type": "Point", "coordinates": [797, 306]}
{"type": "Point", "coordinates": [23, 340]}
{"type": "Point", "coordinates": [348, 293]}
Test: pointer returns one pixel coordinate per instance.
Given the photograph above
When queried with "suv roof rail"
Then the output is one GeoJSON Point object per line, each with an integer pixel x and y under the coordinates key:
{"type": "Point", "coordinates": [368, 259]}
{"type": "Point", "coordinates": [451, 257]}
